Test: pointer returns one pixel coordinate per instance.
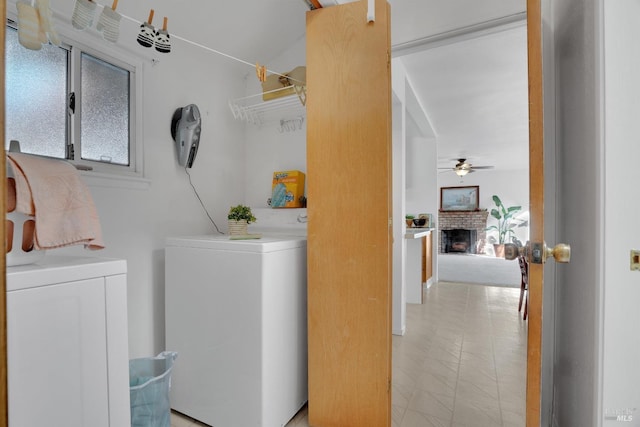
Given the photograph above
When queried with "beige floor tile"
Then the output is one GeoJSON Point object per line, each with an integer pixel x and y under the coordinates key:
{"type": "Point", "coordinates": [436, 383]}
{"type": "Point", "coordinates": [404, 377]}
{"type": "Point", "coordinates": [435, 405]}
{"type": "Point", "coordinates": [444, 369]}
{"type": "Point", "coordinates": [477, 413]}
{"type": "Point", "coordinates": [476, 389]}
{"type": "Point", "coordinates": [397, 414]}
{"type": "Point", "coordinates": [480, 375]}
{"type": "Point", "coordinates": [513, 419]}
{"type": "Point", "coordinates": [400, 395]}
{"type": "Point", "coordinates": [418, 419]}
{"type": "Point", "coordinates": [478, 359]}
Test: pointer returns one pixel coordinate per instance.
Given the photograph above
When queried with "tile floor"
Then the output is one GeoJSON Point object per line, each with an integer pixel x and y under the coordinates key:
{"type": "Point", "coordinates": [462, 361]}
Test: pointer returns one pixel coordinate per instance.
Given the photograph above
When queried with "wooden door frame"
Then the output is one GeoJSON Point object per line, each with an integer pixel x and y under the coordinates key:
{"type": "Point", "coordinates": [4, 395]}
{"type": "Point", "coordinates": [536, 209]}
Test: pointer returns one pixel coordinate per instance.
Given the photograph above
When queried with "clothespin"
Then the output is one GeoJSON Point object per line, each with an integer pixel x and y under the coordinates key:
{"type": "Point", "coordinates": [261, 72]}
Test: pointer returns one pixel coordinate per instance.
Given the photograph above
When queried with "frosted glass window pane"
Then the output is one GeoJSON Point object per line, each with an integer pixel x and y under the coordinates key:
{"type": "Point", "coordinates": [105, 112]}
{"type": "Point", "coordinates": [36, 91]}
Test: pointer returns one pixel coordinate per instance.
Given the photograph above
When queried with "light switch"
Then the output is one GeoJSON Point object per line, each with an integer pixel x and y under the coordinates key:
{"type": "Point", "coordinates": [635, 260]}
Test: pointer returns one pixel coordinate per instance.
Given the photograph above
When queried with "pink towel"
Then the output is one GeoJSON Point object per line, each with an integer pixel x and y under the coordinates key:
{"type": "Point", "coordinates": [53, 192]}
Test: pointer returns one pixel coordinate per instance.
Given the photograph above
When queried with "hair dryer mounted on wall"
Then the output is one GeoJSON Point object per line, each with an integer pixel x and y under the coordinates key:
{"type": "Point", "coordinates": [185, 130]}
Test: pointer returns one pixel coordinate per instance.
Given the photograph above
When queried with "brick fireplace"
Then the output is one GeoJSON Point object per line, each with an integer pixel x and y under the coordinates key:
{"type": "Point", "coordinates": [466, 231]}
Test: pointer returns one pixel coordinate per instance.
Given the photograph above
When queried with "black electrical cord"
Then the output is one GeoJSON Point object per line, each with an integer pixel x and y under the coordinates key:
{"type": "Point", "coordinates": [200, 200]}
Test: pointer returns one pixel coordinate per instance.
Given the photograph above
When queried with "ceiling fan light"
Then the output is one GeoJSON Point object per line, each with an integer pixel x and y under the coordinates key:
{"type": "Point", "coordinates": [461, 172]}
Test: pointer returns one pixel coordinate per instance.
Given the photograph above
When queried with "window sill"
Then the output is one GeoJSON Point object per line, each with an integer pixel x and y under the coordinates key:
{"type": "Point", "coordinates": [99, 179]}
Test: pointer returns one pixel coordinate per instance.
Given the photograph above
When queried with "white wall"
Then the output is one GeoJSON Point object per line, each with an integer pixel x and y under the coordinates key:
{"type": "Point", "coordinates": [621, 347]}
{"type": "Point", "coordinates": [421, 185]}
{"type": "Point", "coordinates": [135, 221]}
{"type": "Point", "coordinates": [399, 249]}
{"type": "Point", "coordinates": [580, 201]}
{"type": "Point", "coordinates": [267, 149]}
{"type": "Point", "coordinates": [422, 161]}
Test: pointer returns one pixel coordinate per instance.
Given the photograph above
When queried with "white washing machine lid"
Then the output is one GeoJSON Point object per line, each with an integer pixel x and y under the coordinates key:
{"type": "Point", "coordinates": [267, 243]}
{"type": "Point", "coordinates": [54, 269]}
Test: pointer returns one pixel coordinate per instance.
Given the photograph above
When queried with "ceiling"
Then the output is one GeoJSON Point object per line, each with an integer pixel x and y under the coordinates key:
{"type": "Point", "coordinates": [466, 62]}
{"type": "Point", "coordinates": [474, 93]}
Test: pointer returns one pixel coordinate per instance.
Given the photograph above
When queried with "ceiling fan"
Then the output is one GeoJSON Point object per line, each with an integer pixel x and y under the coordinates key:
{"type": "Point", "coordinates": [462, 168]}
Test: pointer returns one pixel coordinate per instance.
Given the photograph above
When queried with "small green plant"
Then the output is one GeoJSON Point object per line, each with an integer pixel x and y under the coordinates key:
{"type": "Point", "coordinates": [409, 216]}
{"type": "Point", "coordinates": [241, 212]}
{"type": "Point", "coordinates": [506, 221]}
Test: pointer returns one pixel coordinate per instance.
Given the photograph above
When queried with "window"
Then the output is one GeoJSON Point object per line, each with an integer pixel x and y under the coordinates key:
{"type": "Point", "coordinates": [73, 103]}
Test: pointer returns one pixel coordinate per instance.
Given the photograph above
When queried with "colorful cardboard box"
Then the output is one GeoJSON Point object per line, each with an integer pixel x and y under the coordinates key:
{"type": "Point", "coordinates": [287, 189]}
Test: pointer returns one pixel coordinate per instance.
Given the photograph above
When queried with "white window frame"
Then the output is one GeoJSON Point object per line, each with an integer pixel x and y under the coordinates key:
{"type": "Point", "coordinates": [76, 119]}
{"type": "Point", "coordinates": [93, 44]}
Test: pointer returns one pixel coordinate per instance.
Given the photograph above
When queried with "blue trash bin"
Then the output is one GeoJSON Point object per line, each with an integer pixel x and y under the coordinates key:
{"type": "Point", "coordinates": [149, 384]}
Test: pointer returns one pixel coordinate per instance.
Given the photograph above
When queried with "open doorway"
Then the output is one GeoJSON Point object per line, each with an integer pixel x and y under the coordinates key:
{"type": "Point", "coordinates": [473, 90]}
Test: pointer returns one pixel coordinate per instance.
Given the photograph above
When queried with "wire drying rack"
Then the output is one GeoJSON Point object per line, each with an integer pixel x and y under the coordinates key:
{"type": "Point", "coordinates": [253, 109]}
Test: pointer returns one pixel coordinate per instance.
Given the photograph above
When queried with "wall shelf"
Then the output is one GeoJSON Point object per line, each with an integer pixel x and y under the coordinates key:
{"type": "Point", "coordinates": [253, 109]}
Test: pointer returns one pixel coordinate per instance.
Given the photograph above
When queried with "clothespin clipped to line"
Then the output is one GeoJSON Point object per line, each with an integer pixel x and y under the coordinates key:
{"type": "Point", "coordinates": [261, 72]}
{"type": "Point", "coordinates": [148, 35]}
{"type": "Point", "coordinates": [84, 12]}
{"type": "Point", "coordinates": [163, 44]}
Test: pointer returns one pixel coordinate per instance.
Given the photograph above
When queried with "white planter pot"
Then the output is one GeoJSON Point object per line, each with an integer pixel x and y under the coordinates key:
{"type": "Point", "coordinates": [237, 228]}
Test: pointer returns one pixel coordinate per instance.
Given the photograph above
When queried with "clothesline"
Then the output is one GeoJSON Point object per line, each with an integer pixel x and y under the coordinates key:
{"type": "Point", "coordinates": [207, 48]}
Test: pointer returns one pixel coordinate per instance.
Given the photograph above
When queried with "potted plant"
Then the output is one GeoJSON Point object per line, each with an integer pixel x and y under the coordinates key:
{"type": "Point", "coordinates": [409, 219]}
{"type": "Point", "coordinates": [506, 224]}
{"type": "Point", "coordinates": [239, 217]}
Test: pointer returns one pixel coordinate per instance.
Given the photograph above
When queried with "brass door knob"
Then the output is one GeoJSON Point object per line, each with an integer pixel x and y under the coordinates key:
{"type": "Point", "coordinates": [560, 252]}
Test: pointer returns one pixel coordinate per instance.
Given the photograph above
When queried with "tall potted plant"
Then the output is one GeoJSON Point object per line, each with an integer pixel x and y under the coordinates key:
{"type": "Point", "coordinates": [239, 217]}
{"type": "Point", "coordinates": [506, 224]}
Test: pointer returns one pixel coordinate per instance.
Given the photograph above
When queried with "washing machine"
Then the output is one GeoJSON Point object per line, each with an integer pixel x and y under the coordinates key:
{"type": "Point", "coordinates": [236, 313]}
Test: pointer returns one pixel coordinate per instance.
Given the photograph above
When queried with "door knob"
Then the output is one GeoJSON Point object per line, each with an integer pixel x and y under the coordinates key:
{"type": "Point", "coordinates": [512, 251]}
{"type": "Point", "coordinates": [538, 253]}
{"type": "Point", "coordinates": [560, 252]}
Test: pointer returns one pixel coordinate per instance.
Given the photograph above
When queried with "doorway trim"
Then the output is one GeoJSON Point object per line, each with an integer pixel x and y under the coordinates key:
{"type": "Point", "coordinates": [480, 29]}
